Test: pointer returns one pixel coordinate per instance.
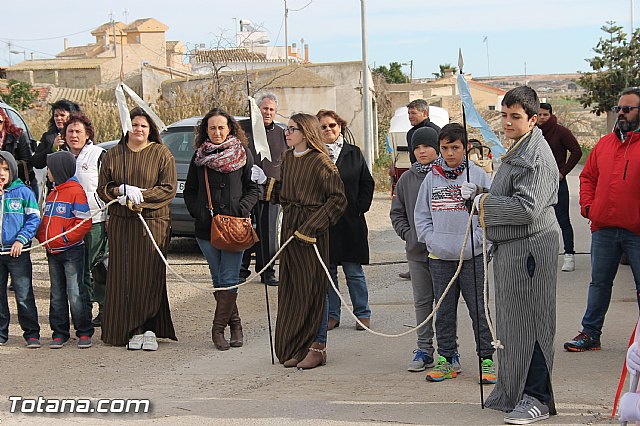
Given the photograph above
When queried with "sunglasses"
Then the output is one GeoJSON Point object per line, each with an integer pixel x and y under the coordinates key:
{"type": "Point", "coordinates": [625, 109]}
{"type": "Point", "coordinates": [290, 130]}
{"type": "Point", "coordinates": [330, 126]}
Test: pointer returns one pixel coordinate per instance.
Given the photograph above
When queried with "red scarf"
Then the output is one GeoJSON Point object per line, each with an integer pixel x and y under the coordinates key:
{"type": "Point", "coordinates": [226, 157]}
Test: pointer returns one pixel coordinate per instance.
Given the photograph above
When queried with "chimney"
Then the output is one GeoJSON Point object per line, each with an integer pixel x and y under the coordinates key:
{"type": "Point", "coordinates": [306, 53]}
{"type": "Point", "coordinates": [66, 43]}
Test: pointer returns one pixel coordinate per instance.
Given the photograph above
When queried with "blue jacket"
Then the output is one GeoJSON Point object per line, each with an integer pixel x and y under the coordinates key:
{"type": "Point", "coordinates": [20, 215]}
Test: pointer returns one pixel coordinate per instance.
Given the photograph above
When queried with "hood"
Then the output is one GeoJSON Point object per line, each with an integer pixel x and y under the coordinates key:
{"type": "Point", "coordinates": [62, 165]}
{"type": "Point", "coordinates": [13, 166]}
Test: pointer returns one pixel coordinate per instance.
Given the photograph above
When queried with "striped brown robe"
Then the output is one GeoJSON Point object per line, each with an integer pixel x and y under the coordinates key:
{"type": "Point", "coordinates": [136, 292]}
{"type": "Point", "coordinates": [312, 198]}
{"type": "Point", "coordinates": [519, 219]}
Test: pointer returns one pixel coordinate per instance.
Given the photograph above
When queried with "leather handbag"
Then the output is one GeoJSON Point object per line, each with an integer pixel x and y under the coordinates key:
{"type": "Point", "coordinates": [229, 233]}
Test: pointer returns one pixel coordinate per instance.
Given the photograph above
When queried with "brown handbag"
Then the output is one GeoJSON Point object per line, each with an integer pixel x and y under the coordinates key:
{"type": "Point", "coordinates": [229, 233]}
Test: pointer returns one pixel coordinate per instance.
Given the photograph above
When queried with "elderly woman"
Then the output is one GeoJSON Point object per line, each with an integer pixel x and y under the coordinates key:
{"type": "Point", "coordinates": [14, 141]}
{"type": "Point", "coordinates": [78, 135]}
{"type": "Point", "coordinates": [348, 240]}
{"type": "Point", "coordinates": [312, 197]}
{"type": "Point", "coordinates": [141, 173]}
{"type": "Point", "coordinates": [219, 182]}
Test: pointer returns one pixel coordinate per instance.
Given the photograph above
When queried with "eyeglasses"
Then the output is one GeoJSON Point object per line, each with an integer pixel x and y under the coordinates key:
{"type": "Point", "coordinates": [330, 126]}
{"type": "Point", "coordinates": [625, 109]}
{"type": "Point", "coordinates": [290, 130]}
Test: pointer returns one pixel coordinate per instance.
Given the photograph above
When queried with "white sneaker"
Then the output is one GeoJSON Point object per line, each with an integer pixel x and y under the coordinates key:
{"type": "Point", "coordinates": [135, 343]}
{"type": "Point", "coordinates": [149, 342]}
{"type": "Point", "coordinates": [569, 264]}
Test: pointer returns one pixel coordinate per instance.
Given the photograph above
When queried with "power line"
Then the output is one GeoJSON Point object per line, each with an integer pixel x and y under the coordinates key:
{"type": "Point", "coordinates": [48, 38]}
{"type": "Point", "coordinates": [8, 43]}
{"type": "Point", "coordinates": [302, 8]}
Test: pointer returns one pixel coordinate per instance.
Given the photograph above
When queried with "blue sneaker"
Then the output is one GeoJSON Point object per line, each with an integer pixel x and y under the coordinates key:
{"type": "Point", "coordinates": [581, 343]}
{"type": "Point", "coordinates": [421, 361]}
{"type": "Point", "coordinates": [455, 363]}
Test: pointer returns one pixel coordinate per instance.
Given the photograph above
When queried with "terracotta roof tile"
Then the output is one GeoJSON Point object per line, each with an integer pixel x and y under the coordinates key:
{"type": "Point", "coordinates": [229, 55]}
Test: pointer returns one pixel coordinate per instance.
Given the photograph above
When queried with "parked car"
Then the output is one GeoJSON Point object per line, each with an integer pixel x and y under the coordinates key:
{"type": "Point", "coordinates": [17, 119]}
{"type": "Point", "coordinates": [179, 137]}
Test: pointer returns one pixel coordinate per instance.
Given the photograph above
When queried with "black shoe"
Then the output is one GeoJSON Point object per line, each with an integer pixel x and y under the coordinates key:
{"type": "Point", "coordinates": [405, 275]}
{"type": "Point", "coordinates": [97, 321]}
{"type": "Point", "coordinates": [272, 281]}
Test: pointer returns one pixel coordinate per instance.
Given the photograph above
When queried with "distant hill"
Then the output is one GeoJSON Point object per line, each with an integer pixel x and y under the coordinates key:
{"type": "Point", "coordinates": [544, 84]}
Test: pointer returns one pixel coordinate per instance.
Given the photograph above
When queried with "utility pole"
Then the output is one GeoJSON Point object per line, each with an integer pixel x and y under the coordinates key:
{"type": "Point", "coordinates": [286, 34]}
{"type": "Point", "coordinates": [631, 32]}
{"type": "Point", "coordinates": [368, 148]}
{"type": "Point", "coordinates": [486, 40]}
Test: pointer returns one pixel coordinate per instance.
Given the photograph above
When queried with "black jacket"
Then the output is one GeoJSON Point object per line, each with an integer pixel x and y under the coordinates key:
{"type": "Point", "coordinates": [21, 151]}
{"type": "Point", "coordinates": [232, 194]}
{"type": "Point", "coordinates": [348, 238]}
{"type": "Point", "coordinates": [425, 123]}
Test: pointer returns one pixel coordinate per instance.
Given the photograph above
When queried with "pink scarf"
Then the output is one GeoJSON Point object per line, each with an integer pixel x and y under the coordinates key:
{"type": "Point", "coordinates": [226, 157]}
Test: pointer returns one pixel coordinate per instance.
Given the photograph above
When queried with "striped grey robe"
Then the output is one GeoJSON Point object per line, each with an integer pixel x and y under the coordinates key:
{"type": "Point", "coordinates": [519, 219]}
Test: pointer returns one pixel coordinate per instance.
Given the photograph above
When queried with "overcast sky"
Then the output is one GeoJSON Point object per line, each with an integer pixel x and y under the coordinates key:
{"type": "Point", "coordinates": [550, 36]}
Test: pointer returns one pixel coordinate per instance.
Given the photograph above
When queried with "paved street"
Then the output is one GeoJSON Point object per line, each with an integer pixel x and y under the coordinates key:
{"type": "Point", "coordinates": [364, 381]}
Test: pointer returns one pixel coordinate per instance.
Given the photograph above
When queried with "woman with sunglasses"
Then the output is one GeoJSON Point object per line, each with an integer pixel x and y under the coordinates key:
{"type": "Point", "coordinates": [349, 245]}
{"type": "Point", "coordinates": [14, 141]}
{"type": "Point", "coordinates": [312, 198]}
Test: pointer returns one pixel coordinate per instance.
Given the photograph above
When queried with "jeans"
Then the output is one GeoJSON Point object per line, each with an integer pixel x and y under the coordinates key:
{"type": "Point", "coordinates": [264, 216]}
{"type": "Point", "coordinates": [562, 215]}
{"type": "Point", "coordinates": [472, 291]}
{"type": "Point", "coordinates": [357, 290]}
{"type": "Point", "coordinates": [68, 292]}
{"type": "Point", "coordinates": [607, 246]}
{"type": "Point", "coordinates": [223, 265]}
{"type": "Point", "coordinates": [537, 384]}
{"type": "Point", "coordinates": [321, 337]}
{"type": "Point", "coordinates": [95, 243]}
{"type": "Point", "coordinates": [20, 270]}
{"type": "Point", "coordinates": [423, 302]}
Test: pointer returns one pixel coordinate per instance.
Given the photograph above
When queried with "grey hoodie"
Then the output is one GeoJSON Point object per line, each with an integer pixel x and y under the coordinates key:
{"type": "Point", "coordinates": [441, 215]}
{"type": "Point", "coordinates": [62, 165]}
{"type": "Point", "coordinates": [402, 207]}
{"type": "Point", "coordinates": [13, 166]}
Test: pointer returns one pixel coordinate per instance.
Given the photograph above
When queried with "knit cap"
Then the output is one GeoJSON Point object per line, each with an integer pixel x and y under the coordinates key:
{"type": "Point", "coordinates": [425, 136]}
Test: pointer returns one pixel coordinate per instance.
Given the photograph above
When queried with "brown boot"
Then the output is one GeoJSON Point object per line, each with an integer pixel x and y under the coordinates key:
{"type": "Point", "coordinates": [225, 300]}
{"type": "Point", "coordinates": [290, 363]}
{"type": "Point", "coordinates": [316, 356]}
{"type": "Point", "coordinates": [236, 328]}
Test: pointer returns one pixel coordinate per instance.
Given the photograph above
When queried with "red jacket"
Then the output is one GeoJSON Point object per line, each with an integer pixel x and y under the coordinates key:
{"type": "Point", "coordinates": [66, 207]}
{"type": "Point", "coordinates": [610, 184]}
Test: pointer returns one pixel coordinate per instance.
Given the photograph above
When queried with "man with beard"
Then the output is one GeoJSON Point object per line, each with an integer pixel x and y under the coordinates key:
{"type": "Point", "coordinates": [610, 199]}
{"type": "Point", "coordinates": [561, 140]}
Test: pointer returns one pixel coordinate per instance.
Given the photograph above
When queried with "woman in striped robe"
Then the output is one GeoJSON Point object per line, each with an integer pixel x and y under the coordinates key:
{"type": "Point", "coordinates": [312, 197]}
{"type": "Point", "coordinates": [136, 303]}
{"type": "Point", "coordinates": [519, 219]}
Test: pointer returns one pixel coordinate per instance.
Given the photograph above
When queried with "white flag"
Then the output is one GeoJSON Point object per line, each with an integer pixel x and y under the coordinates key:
{"type": "Point", "coordinates": [259, 133]}
{"type": "Point", "coordinates": [123, 111]}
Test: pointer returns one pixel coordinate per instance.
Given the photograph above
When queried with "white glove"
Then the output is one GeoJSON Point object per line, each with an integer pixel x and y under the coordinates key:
{"type": "Point", "coordinates": [133, 193]}
{"type": "Point", "coordinates": [476, 201]}
{"type": "Point", "coordinates": [122, 200]}
{"type": "Point", "coordinates": [633, 359]}
{"type": "Point", "coordinates": [257, 175]}
{"type": "Point", "coordinates": [468, 190]}
{"type": "Point", "coordinates": [629, 410]}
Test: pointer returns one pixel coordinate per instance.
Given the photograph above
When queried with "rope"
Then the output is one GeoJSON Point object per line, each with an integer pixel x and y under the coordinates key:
{"type": "Point", "coordinates": [180, 278]}
{"type": "Point", "coordinates": [495, 342]}
{"type": "Point", "coordinates": [42, 244]}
